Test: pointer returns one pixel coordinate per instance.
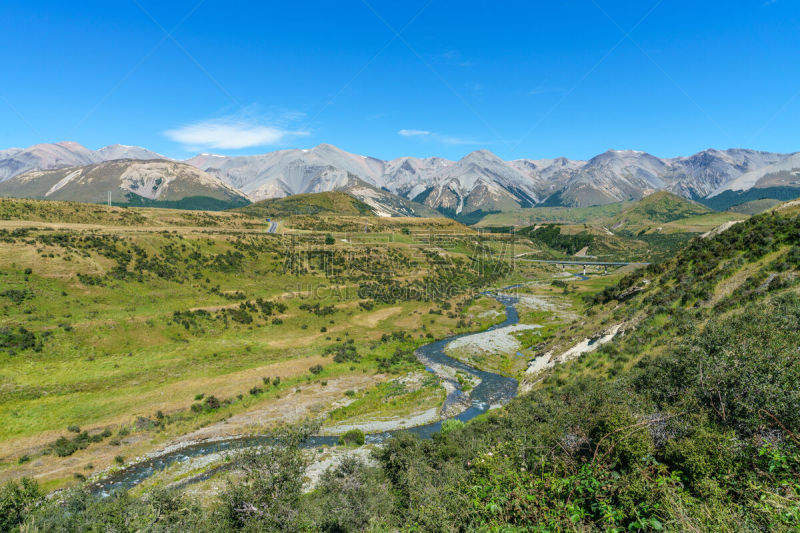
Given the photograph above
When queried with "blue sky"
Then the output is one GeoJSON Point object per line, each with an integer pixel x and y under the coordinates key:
{"type": "Point", "coordinates": [432, 77]}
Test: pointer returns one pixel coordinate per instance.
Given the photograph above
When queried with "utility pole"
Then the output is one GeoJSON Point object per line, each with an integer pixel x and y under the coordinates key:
{"type": "Point", "coordinates": [513, 249]}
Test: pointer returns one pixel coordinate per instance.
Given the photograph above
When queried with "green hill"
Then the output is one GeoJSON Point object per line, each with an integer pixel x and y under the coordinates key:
{"type": "Point", "coordinates": [658, 208]}
{"type": "Point", "coordinates": [558, 215]}
{"type": "Point", "coordinates": [321, 203]}
{"type": "Point", "coordinates": [661, 212]}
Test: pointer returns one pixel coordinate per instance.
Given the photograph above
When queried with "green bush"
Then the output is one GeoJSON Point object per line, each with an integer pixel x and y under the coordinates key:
{"type": "Point", "coordinates": [354, 437]}
{"type": "Point", "coordinates": [451, 425]}
{"type": "Point", "coordinates": [17, 500]}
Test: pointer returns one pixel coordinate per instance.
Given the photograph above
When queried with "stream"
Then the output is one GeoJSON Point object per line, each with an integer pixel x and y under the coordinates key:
{"type": "Point", "coordinates": [493, 390]}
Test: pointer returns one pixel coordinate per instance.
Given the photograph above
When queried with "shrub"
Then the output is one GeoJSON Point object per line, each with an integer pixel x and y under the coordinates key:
{"type": "Point", "coordinates": [351, 496]}
{"type": "Point", "coordinates": [211, 402]}
{"type": "Point", "coordinates": [316, 369]}
{"type": "Point", "coordinates": [354, 437]}
{"type": "Point", "coordinates": [451, 425]}
{"type": "Point", "coordinates": [16, 501]}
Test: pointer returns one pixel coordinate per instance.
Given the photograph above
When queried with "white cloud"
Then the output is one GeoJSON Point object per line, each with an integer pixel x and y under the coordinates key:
{"type": "Point", "coordinates": [229, 134]}
{"type": "Point", "coordinates": [445, 139]}
{"type": "Point", "coordinates": [413, 133]}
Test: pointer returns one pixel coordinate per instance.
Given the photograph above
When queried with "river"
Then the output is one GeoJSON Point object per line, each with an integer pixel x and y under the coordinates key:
{"type": "Point", "coordinates": [493, 390]}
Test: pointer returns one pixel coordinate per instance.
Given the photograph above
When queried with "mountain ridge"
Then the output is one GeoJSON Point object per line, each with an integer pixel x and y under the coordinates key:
{"type": "Point", "coordinates": [478, 183]}
{"type": "Point", "coordinates": [125, 181]}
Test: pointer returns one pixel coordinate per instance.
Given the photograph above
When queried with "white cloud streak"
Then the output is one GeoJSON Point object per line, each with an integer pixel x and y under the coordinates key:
{"type": "Point", "coordinates": [229, 134]}
{"type": "Point", "coordinates": [444, 139]}
{"type": "Point", "coordinates": [413, 133]}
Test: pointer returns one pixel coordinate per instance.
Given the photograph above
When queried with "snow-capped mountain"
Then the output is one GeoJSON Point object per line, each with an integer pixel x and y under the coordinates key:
{"type": "Point", "coordinates": [479, 182]}
{"type": "Point", "coordinates": [16, 161]}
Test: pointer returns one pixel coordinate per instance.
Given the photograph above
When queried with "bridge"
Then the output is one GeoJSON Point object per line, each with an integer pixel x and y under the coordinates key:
{"type": "Point", "coordinates": [583, 263]}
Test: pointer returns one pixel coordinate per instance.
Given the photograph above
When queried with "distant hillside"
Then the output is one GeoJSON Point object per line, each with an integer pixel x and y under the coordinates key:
{"type": "Point", "coordinates": [660, 212]}
{"type": "Point", "coordinates": [658, 208]}
{"type": "Point", "coordinates": [597, 214]}
{"type": "Point", "coordinates": [321, 203]}
{"type": "Point", "coordinates": [754, 207]}
{"type": "Point", "coordinates": [48, 211]}
{"type": "Point", "coordinates": [140, 183]}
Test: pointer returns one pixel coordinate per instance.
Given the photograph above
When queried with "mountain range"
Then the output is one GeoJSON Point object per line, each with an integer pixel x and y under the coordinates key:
{"type": "Point", "coordinates": [477, 184]}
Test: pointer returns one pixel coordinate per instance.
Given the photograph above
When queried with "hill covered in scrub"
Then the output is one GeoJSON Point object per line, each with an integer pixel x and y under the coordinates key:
{"type": "Point", "coordinates": [61, 213]}
{"type": "Point", "coordinates": [687, 421]}
{"type": "Point", "coordinates": [661, 211]}
{"type": "Point", "coordinates": [322, 203]}
{"type": "Point", "coordinates": [658, 208]}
